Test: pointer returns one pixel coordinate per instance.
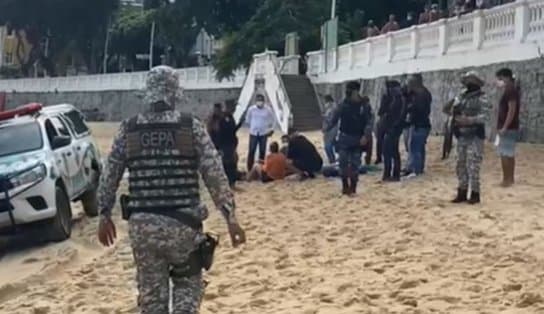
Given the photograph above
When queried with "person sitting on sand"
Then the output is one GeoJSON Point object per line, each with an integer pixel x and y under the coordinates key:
{"type": "Point", "coordinates": [275, 167]}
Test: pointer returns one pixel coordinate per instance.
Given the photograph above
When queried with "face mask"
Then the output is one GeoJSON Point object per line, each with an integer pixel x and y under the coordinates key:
{"type": "Point", "coordinates": [260, 104]}
{"type": "Point", "coordinates": [500, 83]}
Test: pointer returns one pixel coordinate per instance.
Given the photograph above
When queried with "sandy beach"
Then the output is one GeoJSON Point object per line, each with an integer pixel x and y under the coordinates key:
{"type": "Point", "coordinates": [395, 248]}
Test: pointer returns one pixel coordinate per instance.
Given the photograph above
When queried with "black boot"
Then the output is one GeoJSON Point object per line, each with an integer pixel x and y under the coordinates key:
{"type": "Point", "coordinates": [353, 186]}
{"type": "Point", "coordinates": [345, 186]}
{"type": "Point", "coordinates": [474, 198]}
{"type": "Point", "coordinates": [461, 196]}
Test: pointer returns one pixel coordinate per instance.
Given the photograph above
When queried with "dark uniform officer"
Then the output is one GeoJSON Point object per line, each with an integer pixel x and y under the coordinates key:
{"type": "Point", "coordinates": [469, 109]}
{"type": "Point", "coordinates": [164, 151]}
{"type": "Point", "coordinates": [355, 131]}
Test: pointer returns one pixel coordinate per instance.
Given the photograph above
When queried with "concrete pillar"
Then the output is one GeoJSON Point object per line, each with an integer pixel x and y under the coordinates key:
{"type": "Point", "coordinates": [369, 52]}
{"type": "Point", "coordinates": [522, 20]}
{"type": "Point", "coordinates": [414, 42]}
{"type": "Point", "coordinates": [442, 37]}
{"type": "Point", "coordinates": [390, 47]}
{"type": "Point", "coordinates": [351, 56]}
{"type": "Point", "coordinates": [479, 29]}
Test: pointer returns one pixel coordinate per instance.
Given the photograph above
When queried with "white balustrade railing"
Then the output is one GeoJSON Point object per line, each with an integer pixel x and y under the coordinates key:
{"type": "Point", "coordinates": [402, 41]}
{"type": "Point", "coordinates": [190, 78]}
{"type": "Point", "coordinates": [511, 32]}
{"type": "Point", "coordinates": [535, 15]}
{"type": "Point", "coordinates": [460, 34]}
{"type": "Point", "coordinates": [267, 68]}
{"type": "Point", "coordinates": [289, 65]}
{"type": "Point", "coordinates": [427, 41]}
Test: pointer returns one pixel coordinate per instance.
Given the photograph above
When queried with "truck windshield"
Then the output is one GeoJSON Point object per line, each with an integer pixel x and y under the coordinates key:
{"type": "Point", "coordinates": [20, 138]}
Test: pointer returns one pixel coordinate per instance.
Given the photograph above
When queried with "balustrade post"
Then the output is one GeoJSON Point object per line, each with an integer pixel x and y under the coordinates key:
{"type": "Point", "coordinates": [522, 21]}
{"type": "Point", "coordinates": [390, 47]}
{"type": "Point", "coordinates": [351, 56]}
{"type": "Point", "coordinates": [414, 42]}
{"type": "Point", "coordinates": [335, 58]}
{"type": "Point", "coordinates": [369, 52]}
{"type": "Point", "coordinates": [479, 29]}
{"type": "Point", "coordinates": [208, 74]}
{"type": "Point", "coordinates": [442, 37]}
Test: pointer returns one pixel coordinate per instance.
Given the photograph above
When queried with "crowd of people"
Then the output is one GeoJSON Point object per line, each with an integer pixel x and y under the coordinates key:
{"type": "Point", "coordinates": [431, 13]}
{"type": "Point", "coordinates": [351, 129]}
{"type": "Point", "coordinates": [297, 156]}
{"type": "Point", "coordinates": [163, 207]}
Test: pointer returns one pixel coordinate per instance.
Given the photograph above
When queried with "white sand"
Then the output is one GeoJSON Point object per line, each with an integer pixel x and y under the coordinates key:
{"type": "Point", "coordinates": [398, 248]}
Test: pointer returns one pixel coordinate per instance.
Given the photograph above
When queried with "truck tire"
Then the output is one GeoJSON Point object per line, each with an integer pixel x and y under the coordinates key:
{"type": "Point", "coordinates": [88, 199]}
{"type": "Point", "coordinates": [89, 202]}
{"type": "Point", "coordinates": [60, 228]}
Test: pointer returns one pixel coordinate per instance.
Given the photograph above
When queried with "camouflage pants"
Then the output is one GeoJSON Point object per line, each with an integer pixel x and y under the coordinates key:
{"type": "Point", "coordinates": [157, 243]}
{"type": "Point", "coordinates": [470, 153]}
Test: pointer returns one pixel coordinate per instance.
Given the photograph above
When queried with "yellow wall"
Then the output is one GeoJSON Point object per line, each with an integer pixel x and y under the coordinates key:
{"type": "Point", "coordinates": [9, 50]}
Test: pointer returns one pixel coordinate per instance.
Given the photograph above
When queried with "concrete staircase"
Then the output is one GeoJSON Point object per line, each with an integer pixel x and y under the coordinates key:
{"type": "Point", "coordinates": [304, 103]}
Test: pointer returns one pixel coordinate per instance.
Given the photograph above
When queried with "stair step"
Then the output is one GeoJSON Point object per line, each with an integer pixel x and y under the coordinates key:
{"type": "Point", "coordinates": [305, 105]}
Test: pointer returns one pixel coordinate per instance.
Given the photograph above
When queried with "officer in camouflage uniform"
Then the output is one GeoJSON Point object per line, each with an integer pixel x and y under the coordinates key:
{"type": "Point", "coordinates": [164, 151]}
{"type": "Point", "coordinates": [469, 110]}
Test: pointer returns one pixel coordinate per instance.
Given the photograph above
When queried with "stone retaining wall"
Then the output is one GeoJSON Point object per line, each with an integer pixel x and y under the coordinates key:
{"type": "Point", "coordinates": [445, 84]}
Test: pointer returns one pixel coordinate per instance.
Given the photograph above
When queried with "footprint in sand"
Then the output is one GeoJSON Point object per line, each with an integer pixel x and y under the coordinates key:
{"type": "Point", "coordinates": [528, 299]}
{"type": "Point", "coordinates": [41, 310]}
{"type": "Point", "coordinates": [522, 237]}
{"type": "Point", "coordinates": [512, 287]}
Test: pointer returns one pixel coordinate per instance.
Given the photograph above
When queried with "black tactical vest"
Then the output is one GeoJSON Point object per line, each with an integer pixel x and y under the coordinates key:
{"type": "Point", "coordinates": [163, 166]}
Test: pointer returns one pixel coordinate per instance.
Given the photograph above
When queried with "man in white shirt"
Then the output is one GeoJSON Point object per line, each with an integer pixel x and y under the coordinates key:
{"type": "Point", "coordinates": [261, 120]}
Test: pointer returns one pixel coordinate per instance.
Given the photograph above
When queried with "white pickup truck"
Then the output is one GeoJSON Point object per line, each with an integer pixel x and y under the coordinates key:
{"type": "Point", "coordinates": [48, 159]}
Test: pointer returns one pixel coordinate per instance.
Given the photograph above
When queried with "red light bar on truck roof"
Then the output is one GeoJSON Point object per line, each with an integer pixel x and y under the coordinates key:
{"type": "Point", "coordinates": [21, 111]}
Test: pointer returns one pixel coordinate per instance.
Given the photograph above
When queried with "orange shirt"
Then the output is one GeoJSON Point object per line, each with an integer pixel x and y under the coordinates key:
{"type": "Point", "coordinates": [275, 166]}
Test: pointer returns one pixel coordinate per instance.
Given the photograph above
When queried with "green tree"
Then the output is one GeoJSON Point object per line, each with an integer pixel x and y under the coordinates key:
{"type": "Point", "coordinates": [267, 29]}
{"type": "Point", "coordinates": [131, 32]}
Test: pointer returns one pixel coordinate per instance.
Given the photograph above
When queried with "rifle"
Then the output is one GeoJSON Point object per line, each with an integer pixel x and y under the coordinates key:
{"type": "Point", "coordinates": [449, 126]}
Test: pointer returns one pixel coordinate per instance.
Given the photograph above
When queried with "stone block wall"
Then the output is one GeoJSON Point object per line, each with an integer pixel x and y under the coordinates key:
{"type": "Point", "coordinates": [119, 105]}
{"type": "Point", "coordinates": [444, 85]}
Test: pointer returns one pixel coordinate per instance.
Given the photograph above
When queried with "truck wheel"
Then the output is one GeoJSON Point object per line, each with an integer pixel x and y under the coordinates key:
{"type": "Point", "coordinates": [88, 199]}
{"type": "Point", "coordinates": [61, 226]}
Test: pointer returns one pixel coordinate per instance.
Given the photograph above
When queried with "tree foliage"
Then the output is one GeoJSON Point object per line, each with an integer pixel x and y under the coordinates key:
{"type": "Point", "coordinates": [275, 18]}
{"type": "Point", "coordinates": [267, 29]}
{"type": "Point", "coordinates": [246, 26]}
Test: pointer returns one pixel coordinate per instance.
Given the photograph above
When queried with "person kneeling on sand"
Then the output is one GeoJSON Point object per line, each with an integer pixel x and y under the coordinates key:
{"type": "Point", "coordinates": [275, 167]}
{"type": "Point", "coordinates": [303, 155]}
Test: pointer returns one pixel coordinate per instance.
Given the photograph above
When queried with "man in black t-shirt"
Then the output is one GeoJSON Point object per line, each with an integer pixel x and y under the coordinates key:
{"type": "Point", "coordinates": [508, 124]}
{"type": "Point", "coordinates": [419, 110]}
{"type": "Point", "coordinates": [303, 154]}
{"type": "Point", "coordinates": [229, 142]}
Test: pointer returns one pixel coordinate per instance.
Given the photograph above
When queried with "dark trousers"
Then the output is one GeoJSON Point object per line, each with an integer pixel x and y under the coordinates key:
{"type": "Point", "coordinates": [309, 167]}
{"type": "Point", "coordinates": [230, 163]}
{"type": "Point", "coordinates": [369, 147]}
{"type": "Point", "coordinates": [254, 142]}
{"type": "Point", "coordinates": [380, 137]}
{"type": "Point", "coordinates": [391, 156]}
{"type": "Point", "coordinates": [350, 162]}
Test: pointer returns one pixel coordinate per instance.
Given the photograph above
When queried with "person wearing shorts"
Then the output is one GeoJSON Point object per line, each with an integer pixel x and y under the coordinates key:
{"type": "Point", "coordinates": [508, 124]}
{"type": "Point", "coordinates": [275, 167]}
